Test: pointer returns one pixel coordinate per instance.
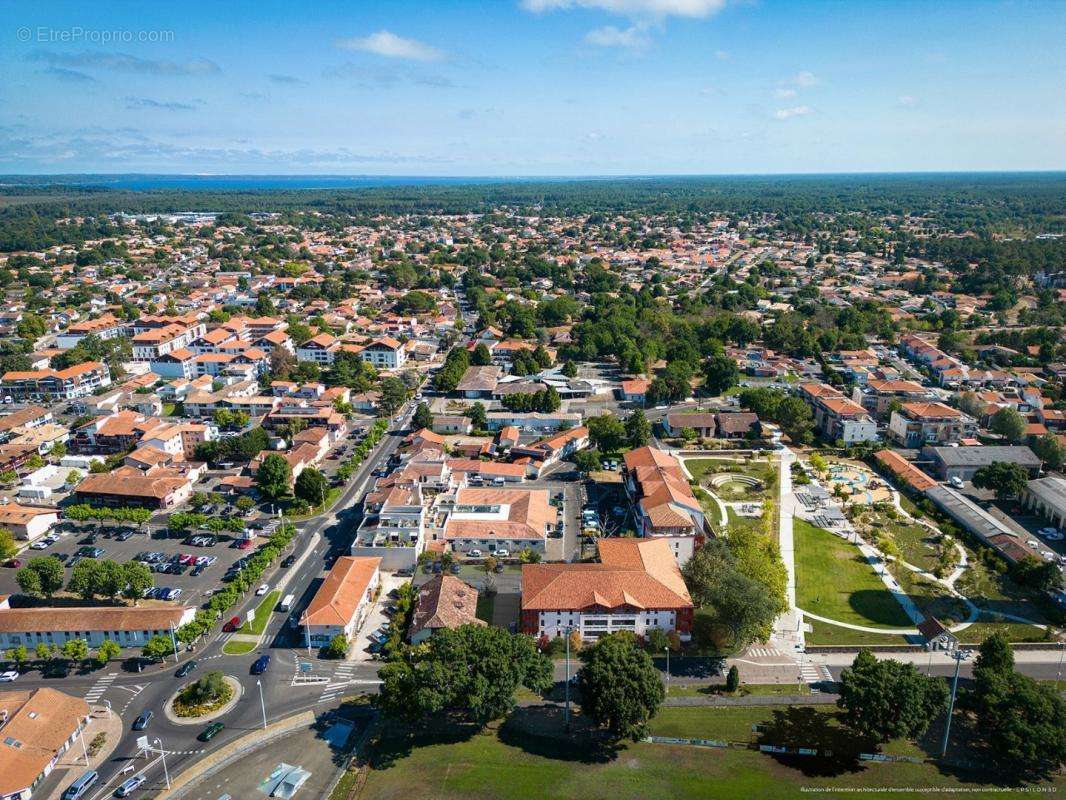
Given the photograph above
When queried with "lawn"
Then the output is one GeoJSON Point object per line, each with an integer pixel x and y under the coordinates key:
{"type": "Point", "coordinates": [262, 614]}
{"type": "Point", "coordinates": [822, 633]}
{"type": "Point", "coordinates": [485, 603]}
{"type": "Point", "coordinates": [1014, 631]}
{"type": "Point", "coordinates": [700, 468]}
{"type": "Point", "coordinates": [833, 580]}
{"type": "Point", "coordinates": [331, 497]}
{"type": "Point", "coordinates": [509, 762]}
{"type": "Point", "coordinates": [238, 647]}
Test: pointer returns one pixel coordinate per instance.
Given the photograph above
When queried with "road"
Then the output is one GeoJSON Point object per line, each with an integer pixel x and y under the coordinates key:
{"type": "Point", "coordinates": [318, 540]}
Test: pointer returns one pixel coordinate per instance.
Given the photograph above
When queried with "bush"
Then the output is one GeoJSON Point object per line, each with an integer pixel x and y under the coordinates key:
{"type": "Point", "coordinates": [204, 696]}
{"type": "Point", "coordinates": [732, 679]}
{"type": "Point", "coordinates": [337, 647]}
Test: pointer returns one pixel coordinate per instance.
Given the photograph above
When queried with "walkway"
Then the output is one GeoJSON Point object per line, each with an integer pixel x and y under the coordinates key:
{"type": "Point", "coordinates": [788, 627]}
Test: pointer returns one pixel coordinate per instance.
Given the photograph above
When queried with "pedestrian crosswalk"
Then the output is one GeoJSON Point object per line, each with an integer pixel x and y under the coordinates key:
{"type": "Point", "coordinates": [764, 652]}
{"type": "Point", "coordinates": [815, 673]}
{"type": "Point", "coordinates": [341, 678]}
{"type": "Point", "coordinates": [96, 691]}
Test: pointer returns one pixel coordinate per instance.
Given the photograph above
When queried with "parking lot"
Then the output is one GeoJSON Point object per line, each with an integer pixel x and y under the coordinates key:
{"type": "Point", "coordinates": [172, 559]}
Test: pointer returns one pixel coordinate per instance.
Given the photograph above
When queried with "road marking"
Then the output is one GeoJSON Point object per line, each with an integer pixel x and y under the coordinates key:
{"type": "Point", "coordinates": [97, 690]}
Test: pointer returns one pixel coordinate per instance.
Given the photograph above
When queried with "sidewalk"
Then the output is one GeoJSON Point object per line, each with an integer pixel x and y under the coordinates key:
{"type": "Point", "coordinates": [73, 763]}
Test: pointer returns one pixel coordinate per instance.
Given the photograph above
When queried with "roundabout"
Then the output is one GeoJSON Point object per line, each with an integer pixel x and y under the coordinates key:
{"type": "Point", "coordinates": [236, 691]}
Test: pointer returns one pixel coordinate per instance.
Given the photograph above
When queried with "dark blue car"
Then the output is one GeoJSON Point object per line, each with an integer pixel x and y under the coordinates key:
{"type": "Point", "coordinates": [260, 665]}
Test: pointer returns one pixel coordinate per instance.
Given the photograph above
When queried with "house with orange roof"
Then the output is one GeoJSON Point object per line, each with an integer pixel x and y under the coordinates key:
{"type": "Point", "coordinates": [921, 423]}
{"type": "Point", "coordinates": [636, 587]}
{"type": "Point", "coordinates": [39, 725]}
{"type": "Point", "coordinates": [342, 601]}
{"type": "Point", "coordinates": [663, 504]}
{"type": "Point", "coordinates": [495, 519]}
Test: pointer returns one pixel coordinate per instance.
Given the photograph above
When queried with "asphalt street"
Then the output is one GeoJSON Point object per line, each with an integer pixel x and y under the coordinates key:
{"type": "Point", "coordinates": [286, 688]}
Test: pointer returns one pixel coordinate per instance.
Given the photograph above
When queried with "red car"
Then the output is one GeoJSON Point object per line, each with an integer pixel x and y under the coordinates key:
{"type": "Point", "coordinates": [187, 559]}
{"type": "Point", "coordinates": [232, 625]}
{"type": "Point", "coordinates": [244, 544]}
{"type": "Point", "coordinates": [14, 563]}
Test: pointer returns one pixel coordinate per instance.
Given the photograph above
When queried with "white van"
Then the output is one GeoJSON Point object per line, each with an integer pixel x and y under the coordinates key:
{"type": "Point", "coordinates": [286, 603]}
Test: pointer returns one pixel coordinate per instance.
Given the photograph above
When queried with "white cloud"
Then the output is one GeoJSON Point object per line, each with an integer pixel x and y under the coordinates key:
{"type": "Point", "coordinates": [795, 111]}
{"type": "Point", "coordinates": [389, 45]}
{"type": "Point", "coordinates": [907, 100]}
{"type": "Point", "coordinates": [804, 79]}
{"type": "Point", "coordinates": [722, 55]}
{"type": "Point", "coordinates": [634, 37]}
{"type": "Point", "coordinates": [123, 62]}
{"type": "Point", "coordinates": [784, 94]}
{"type": "Point", "coordinates": [654, 8]}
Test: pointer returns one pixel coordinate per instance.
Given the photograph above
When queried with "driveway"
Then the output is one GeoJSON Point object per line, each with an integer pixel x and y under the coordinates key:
{"type": "Point", "coordinates": [375, 618]}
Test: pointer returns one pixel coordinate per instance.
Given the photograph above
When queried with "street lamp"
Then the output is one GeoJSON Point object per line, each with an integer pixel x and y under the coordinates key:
{"type": "Point", "coordinates": [566, 713]}
{"type": "Point", "coordinates": [959, 656]}
{"type": "Point", "coordinates": [667, 649]}
{"type": "Point", "coordinates": [174, 643]}
{"type": "Point", "coordinates": [163, 755]}
{"type": "Point", "coordinates": [262, 703]}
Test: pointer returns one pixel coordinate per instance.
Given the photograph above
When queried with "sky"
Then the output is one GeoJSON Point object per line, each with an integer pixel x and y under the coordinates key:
{"type": "Point", "coordinates": [532, 87]}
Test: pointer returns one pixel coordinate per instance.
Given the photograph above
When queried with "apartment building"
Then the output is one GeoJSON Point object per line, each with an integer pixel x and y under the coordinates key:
{"type": "Point", "coordinates": [636, 587]}
{"type": "Point", "coordinates": [918, 424]}
{"type": "Point", "coordinates": [103, 327]}
{"type": "Point", "coordinates": [80, 380]}
{"type": "Point", "coordinates": [499, 519]}
{"type": "Point", "coordinates": [385, 353]}
{"type": "Point", "coordinates": [127, 626]}
{"type": "Point", "coordinates": [837, 417]}
{"type": "Point", "coordinates": [663, 504]}
{"type": "Point", "coordinates": [878, 396]}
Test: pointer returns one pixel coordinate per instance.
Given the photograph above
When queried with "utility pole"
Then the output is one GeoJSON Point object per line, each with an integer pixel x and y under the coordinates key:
{"type": "Point", "coordinates": [959, 656]}
{"type": "Point", "coordinates": [174, 643]}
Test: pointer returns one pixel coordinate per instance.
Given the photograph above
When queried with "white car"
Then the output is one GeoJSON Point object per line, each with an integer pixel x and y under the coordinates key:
{"type": "Point", "coordinates": [130, 786]}
{"type": "Point", "coordinates": [474, 554]}
{"type": "Point", "coordinates": [40, 544]}
{"type": "Point", "coordinates": [956, 481]}
{"type": "Point", "coordinates": [262, 590]}
{"type": "Point", "coordinates": [503, 552]}
{"type": "Point", "coordinates": [7, 677]}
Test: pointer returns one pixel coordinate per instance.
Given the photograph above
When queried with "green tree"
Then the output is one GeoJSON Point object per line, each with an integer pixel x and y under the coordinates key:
{"type": "Point", "coordinates": [19, 655]}
{"type": "Point", "coordinates": [8, 548]}
{"type": "Point", "coordinates": [158, 648]}
{"type": "Point", "coordinates": [621, 689]}
{"type": "Point", "coordinates": [312, 486]}
{"type": "Point", "coordinates": [720, 373]}
{"type": "Point", "coordinates": [732, 679]}
{"type": "Point", "coordinates": [110, 578]}
{"type": "Point", "coordinates": [83, 581]}
{"type": "Point", "coordinates": [478, 418]}
{"type": "Point", "coordinates": [607, 433]}
{"type": "Point", "coordinates": [245, 503]}
{"type": "Point", "coordinates": [1024, 724]}
{"type": "Point", "coordinates": [43, 576]}
{"type": "Point", "coordinates": [887, 699]}
{"type": "Point", "coordinates": [423, 417]}
{"type": "Point", "coordinates": [274, 476]}
{"type": "Point", "coordinates": [638, 429]}
{"type": "Point", "coordinates": [586, 461]}
{"type": "Point", "coordinates": [1005, 478]}
{"type": "Point", "coordinates": [480, 357]}
{"type": "Point", "coordinates": [393, 395]}
{"type": "Point", "coordinates": [337, 647]}
{"type": "Point", "coordinates": [137, 579]}
{"type": "Point", "coordinates": [1050, 451]}
{"type": "Point", "coordinates": [42, 651]}
{"type": "Point", "coordinates": [795, 418]}
{"type": "Point", "coordinates": [570, 369]}
{"type": "Point", "coordinates": [34, 462]}
{"type": "Point", "coordinates": [107, 651]}
{"type": "Point", "coordinates": [1008, 423]}
{"type": "Point", "coordinates": [471, 672]}
{"type": "Point", "coordinates": [76, 650]}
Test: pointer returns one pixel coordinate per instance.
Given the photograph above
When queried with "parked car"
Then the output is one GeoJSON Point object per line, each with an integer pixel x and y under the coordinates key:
{"type": "Point", "coordinates": [503, 552]}
{"type": "Point", "coordinates": [475, 553]}
{"type": "Point", "coordinates": [124, 535]}
{"type": "Point", "coordinates": [40, 544]}
{"type": "Point", "coordinates": [10, 675]}
{"type": "Point", "coordinates": [13, 563]}
{"type": "Point", "coordinates": [142, 722]}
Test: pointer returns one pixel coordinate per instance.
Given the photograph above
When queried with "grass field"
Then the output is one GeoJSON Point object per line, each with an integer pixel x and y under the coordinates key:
{"type": "Point", "coordinates": [821, 633]}
{"type": "Point", "coordinates": [238, 647]}
{"type": "Point", "coordinates": [509, 763]}
{"type": "Point", "coordinates": [833, 580]}
{"type": "Point", "coordinates": [262, 614]}
{"type": "Point", "coordinates": [331, 497]}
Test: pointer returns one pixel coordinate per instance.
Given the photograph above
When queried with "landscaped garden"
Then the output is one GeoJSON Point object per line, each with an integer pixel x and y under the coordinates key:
{"type": "Point", "coordinates": [735, 480]}
{"type": "Point", "coordinates": [204, 696]}
{"type": "Point", "coordinates": [833, 580]}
